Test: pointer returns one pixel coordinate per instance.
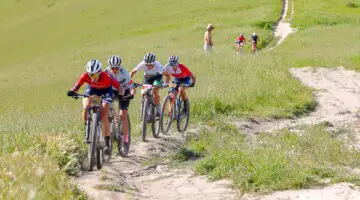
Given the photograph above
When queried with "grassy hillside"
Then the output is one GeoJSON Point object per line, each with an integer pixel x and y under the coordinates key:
{"type": "Point", "coordinates": [326, 37]}
{"type": "Point", "coordinates": [44, 48]}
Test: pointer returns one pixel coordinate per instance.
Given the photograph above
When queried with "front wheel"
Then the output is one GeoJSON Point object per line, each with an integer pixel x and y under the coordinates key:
{"type": "Point", "coordinates": [92, 136]}
{"type": "Point", "coordinates": [183, 115]}
{"type": "Point", "coordinates": [166, 116]}
{"type": "Point", "coordinates": [145, 118]}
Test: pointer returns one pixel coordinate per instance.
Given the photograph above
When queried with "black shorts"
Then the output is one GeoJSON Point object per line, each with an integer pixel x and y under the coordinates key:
{"type": "Point", "coordinates": [106, 93]}
{"type": "Point", "coordinates": [123, 104]}
{"type": "Point", "coordinates": [150, 80]}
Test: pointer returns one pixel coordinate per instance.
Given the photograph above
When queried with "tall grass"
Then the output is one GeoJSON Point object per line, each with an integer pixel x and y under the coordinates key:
{"type": "Point", "coordinates": [271, 162]}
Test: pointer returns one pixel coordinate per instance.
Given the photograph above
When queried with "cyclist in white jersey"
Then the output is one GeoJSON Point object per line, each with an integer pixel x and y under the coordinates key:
{"type": "Point", "coordinates": [152, 75]}
{"type": "Point", "coordinates": [119, 73]}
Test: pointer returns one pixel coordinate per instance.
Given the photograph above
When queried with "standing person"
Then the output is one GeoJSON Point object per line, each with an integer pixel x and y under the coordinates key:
{"type": "Point", "coordinates": [254, 41]}
{"type": "Point", "coordinates": [118, 72]}
{"type": "Point", "coordinates": [152, 75]}
{"type": "Point", "coordinates": [240, 43]}
{"type": "Point", "coordinates": [208, 42]}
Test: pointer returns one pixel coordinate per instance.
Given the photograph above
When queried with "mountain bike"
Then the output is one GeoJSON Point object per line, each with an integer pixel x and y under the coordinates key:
{"type": "Point", "coordinates": [93, 135]}
{"type": "Point", "coordinates": [116, 134]}
{"type": "Point", "coordinates": [173, 110]}
{"type": "Point", "coordinates": [148, 110]}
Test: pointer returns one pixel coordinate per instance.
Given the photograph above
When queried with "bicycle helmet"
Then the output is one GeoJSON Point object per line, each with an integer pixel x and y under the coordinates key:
{"type": "Point", "coordinates": [173, 60]}
{"type": "Point", "coordinates": [149, 58]}
{"type": "Point", "coordinates": [93, 66]}
{"type": "Point", "coordinates": [254, 34]}
{"type": "Point", "coordinates": [114, 61]}
{"type": "Point", "coordinates": [241, 34]}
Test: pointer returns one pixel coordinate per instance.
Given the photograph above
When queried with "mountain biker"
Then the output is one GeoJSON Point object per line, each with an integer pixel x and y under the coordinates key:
{"type": "Point", "coordinates": [181, 74]}
{"type": "Point", "coordinates": [152, 75]}
{"type": "Point", "coordinates": [100, 84]}
{"type": "Point", "coordinates": [254, 41]}
{"type": "Point", "coordinates": [118, 72]}
{"type": "Point", "coordinates": [240, 42]}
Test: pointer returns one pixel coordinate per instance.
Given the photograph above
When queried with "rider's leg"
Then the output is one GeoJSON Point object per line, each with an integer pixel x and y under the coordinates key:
{"type": "Point", "coordinates": [182, 93]}
{"type": "Point", "coordinates": [125, 124]}
{"type": "Point", "coordinates": [237, 49]}
{"type": "Point", "coordinates": [123, 106]}
{"type": "Point", "coordinates": [86, 103]}
{"type": "Point", "coordinates": [104, 117]}
{"type": "Point", "coordinates": [157, 100]}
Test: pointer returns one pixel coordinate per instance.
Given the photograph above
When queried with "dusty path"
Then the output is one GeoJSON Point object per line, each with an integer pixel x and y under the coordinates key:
{"type": "Point", "coordinates": [338, 97]}
{"type": "Point", "coordinates": [283, 28]}
{"type": "Point", "coordinates": [127, 178]}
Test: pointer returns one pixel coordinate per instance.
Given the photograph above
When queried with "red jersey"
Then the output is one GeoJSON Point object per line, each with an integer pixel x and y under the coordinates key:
{"type": "Point", "coordinates": [241, 38]}
{"type": "Point", "coordinates": [181, 72]}
{"type": "Point", "coordinates": [103, 82]}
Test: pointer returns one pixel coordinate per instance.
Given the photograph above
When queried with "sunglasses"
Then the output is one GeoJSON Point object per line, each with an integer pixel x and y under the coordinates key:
{"type": "Point", "coordinates": [93, 75]}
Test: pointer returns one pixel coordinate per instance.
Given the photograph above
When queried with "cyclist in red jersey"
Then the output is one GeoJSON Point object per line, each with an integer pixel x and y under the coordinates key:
{"type": "Point", "coordinates": [240, 42]}
{"type": "Point", "coordinates": [100, 84]}
{"type": "Point", "coordinates": [181, 74]}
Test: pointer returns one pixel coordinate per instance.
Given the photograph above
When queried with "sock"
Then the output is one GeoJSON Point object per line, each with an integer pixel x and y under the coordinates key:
{"type": "Point", "coordinates": [107, 141]}
{"type": "Point", "coordinates": [158, 108]}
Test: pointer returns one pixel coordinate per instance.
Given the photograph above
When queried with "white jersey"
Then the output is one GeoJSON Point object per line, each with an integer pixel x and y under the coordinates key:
{"type": "Point", "coordinates": [123, 77]}
{"type": "Point", "coordinates": [156, 70]}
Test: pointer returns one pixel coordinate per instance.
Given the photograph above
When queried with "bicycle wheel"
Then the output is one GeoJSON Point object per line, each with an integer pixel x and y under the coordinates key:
{"type": "Point", "coordinates": [145, 119]}
{"type": "Point", "coordinates": [155, 127]}
{"type": "Point", "coordinates": [92, 145]}
{"type": "Point", "coordinates": [122, 148]}
{"type": "Point", "coordinates": [166, 116]}
{"type": "Point", "coordinates": [111, 139]}
{"type": "Point", "coordinates": [183, 116]}
{"type": "Point", "coordinates": [99, 147]}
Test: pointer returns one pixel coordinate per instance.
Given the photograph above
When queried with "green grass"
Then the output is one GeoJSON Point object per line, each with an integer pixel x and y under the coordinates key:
{"type": "Point", "coordinates": [272, 162]}
{"type": "Point", "coordinates": [45, 45]}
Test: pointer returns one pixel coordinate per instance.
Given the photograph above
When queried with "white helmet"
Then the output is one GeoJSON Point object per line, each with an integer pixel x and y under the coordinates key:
{"type": "Point", "coordinates": [93, 66]}
{"type": "Point", "coordinates": [254, 34]}
{"type": "Point", "coordinates": [149, 58]}
{"type": "Point", "coordinates": [114, 61]}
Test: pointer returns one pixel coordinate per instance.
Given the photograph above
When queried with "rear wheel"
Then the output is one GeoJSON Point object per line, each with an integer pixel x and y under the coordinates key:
{"type": "Point", "coordinates": [166, 116]}
{"type": "Point", "coordinates": [99, 147]}
{"type": "Point", "coordinates": [145, 119]}
{"type": "Point", "coordinates": [122, 148]}
{"type": "Point", "coordinates": [92, 136]}
{"type": "Point", "coordinates": [183, 116]}
{"type": "Point", "coordinates": [155, 127]}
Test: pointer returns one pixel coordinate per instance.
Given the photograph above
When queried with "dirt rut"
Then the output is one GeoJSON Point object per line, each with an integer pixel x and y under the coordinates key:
{"type": "Point", "coordinates": [127, 178]}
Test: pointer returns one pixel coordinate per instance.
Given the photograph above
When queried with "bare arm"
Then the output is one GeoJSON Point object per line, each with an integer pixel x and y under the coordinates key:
{"type": "Point", "coordinates": [168, 77]}
{"type": "Point", "coordinates": [193, 79]}
{"type": "Point", "coordinates": [132, 73]}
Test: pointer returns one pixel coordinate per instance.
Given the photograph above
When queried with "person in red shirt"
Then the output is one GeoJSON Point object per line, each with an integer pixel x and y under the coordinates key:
{"type": "Point", "coordinates": [240, 42]}
{"type": "Point", "coordinates": [181, 74]}
{"type": "Point", "coordinates": [99, 83]}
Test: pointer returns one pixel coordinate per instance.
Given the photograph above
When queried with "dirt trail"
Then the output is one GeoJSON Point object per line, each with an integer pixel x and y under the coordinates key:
{"type": "Point", "coordinates": [337, 94]}
{"type": "Point", "coordinates": [283, 28]}
{"type": "Point", "coordinates": [127, 178]}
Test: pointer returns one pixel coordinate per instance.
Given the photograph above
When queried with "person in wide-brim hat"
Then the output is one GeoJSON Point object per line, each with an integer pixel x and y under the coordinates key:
{"type": "Point", "coordinates": [208, 43]}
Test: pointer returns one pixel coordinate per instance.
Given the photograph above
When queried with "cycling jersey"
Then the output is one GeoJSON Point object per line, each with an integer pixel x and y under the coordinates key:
{"type": "Point", "coordinates": [123, 77]}
{"type": "Point", "coordinates": [241, 39]}
{"type": "Point", "coordinates": [156, 70]}
{"type": "Point", "coordinates": [254, 38]}
{"type": "Point", "coordinates": [181, 72]}
{"type": "Point", "coordinates": [104, 81]}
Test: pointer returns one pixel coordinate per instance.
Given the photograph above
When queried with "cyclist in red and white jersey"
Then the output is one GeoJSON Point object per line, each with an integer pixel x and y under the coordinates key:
{"type": "Point", "coordinates": [100, 84]}
{"type": "Point", "coordinates": [181, 74]}
{"type": "Point", "coordinates": [240, 42]}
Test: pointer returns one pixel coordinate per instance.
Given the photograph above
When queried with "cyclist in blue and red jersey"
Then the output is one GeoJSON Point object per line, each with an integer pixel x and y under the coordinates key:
{"type": "Point", "coordinates": [100, 84]}
{"type": "Point", "coordinates": [181, 74]}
